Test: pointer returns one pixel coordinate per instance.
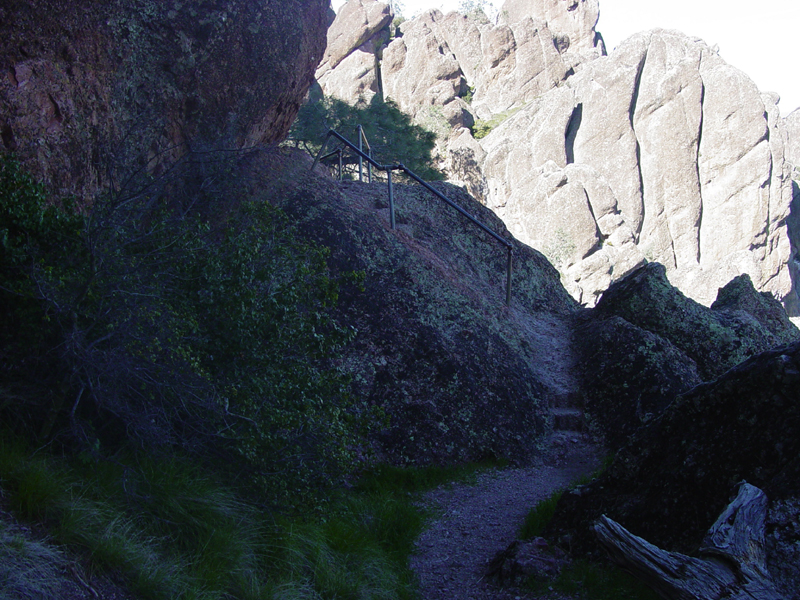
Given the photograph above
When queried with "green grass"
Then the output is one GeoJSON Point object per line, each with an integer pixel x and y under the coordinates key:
{"type": "Point", "coordinates": [172, 531]}
{"type": "Point", "coordinates": [28, 568]}
{"type": "Point", "coordinates": [482, 128]}
{"type": "Point", "coordinates": [538, 517]}
{"type": "Point", "coordinates": [594, 581]}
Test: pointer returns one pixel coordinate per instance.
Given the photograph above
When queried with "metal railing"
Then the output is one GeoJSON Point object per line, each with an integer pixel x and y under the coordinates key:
{"type": "Point", "coordinates": [362, 156]}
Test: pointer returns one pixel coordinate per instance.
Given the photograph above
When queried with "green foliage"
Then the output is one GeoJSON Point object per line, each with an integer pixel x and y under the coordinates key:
{"type": "Point", "coordinates": [482, 128]}
{"type": "Point", "coordinates": [592, 581]}
{"type": "Point", "coordinates": [186, 315]}
{"type": "Point", "coordinates": [390, 132]}
{"type": "Point", "coordinates": [172, 530]}
{"type": "Point", "coordinates": [36, 237]}
{"type": "Point", "coordinates": [538, 517]}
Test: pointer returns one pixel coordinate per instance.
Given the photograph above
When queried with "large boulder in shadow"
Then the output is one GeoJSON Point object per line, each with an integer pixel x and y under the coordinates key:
{"type": "Point", "coordinates": [438, 350]}
{"type": "Point", "coordinates": [669, 484]}
{"type": "Point", "coordinates": [630, 375]}
{"type": "Point", "coordinates": [647, 299]}
{"type": "Point", "coordinates": [89, 87]}
{"type": "Point", "coordinates": [754, 313]}
{"type": "Point", "coordinates": [645, 343]}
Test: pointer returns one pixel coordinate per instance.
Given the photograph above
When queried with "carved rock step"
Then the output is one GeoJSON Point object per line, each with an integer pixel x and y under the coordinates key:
{"type": "Point", "coordinates": [568, 419]}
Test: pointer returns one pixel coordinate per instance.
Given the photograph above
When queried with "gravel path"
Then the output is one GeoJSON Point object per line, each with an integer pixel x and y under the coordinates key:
{"type": "Point", "coordinates": [477, 521]}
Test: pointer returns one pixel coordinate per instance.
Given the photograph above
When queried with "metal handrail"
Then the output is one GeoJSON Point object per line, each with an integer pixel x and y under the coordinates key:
{"type": "Point", "coordinates": [400, 167]}
{"type": "Point", "coordinates": [363, 138]}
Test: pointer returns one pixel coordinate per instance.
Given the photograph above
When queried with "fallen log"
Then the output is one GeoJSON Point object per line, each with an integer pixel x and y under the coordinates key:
{"type": "Point", "coordinates": [732, 563]}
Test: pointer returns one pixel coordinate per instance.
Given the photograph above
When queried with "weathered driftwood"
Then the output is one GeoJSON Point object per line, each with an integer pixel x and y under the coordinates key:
{"type": "Point", "coordinates": [732, 563]}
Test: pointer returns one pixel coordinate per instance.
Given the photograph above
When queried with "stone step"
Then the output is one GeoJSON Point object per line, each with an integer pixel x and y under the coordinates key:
{"type": "Point", "coordinates": [567, 400]}
{"type": "Point", "coordinates": [568, 419]}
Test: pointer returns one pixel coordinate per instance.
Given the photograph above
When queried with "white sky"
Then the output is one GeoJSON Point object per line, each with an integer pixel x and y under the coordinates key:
{"type": "Point", "coordinates": [760, 37]}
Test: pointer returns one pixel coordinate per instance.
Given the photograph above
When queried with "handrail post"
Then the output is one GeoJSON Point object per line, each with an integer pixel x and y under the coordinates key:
{"type": "Point", "coordinates": [340, 164]}
{"type": "Point", "coordinates": [391, 197]}
{"type": "Point", "coordinates": [360, 134]}
{"type": "Point", "coordinates": [321, 150]}
{"type": "Point", "coordinates": [508, 276]}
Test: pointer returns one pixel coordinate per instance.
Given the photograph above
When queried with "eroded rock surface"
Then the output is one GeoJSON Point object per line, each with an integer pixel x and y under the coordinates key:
{"type": "Point", "coordinates": [87, 86]}
{"type": "Point", "coordinates": [673, 479]}
{"type": "Point", "coordinates": [645, 343]}
{"type": "Point", "coordinates": [348, 70]}
{"type": "Point", "coordinates": [693, 156]}
{"type": "Point", "coordinates": [459, 374]}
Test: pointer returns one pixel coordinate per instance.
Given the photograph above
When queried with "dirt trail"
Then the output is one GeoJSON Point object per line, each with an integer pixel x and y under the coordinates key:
{"type": "Point", "coordinates": [479, 520]}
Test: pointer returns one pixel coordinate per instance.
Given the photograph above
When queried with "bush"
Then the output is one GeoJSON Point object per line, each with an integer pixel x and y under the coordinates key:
{"type": "Point", "coordinates": [181, 313]}
{"type": "Point", "coordinates": [390, 132]}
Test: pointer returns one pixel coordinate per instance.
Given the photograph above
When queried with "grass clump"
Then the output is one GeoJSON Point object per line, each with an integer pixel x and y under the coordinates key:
{"type": "Point", "coordinates": [539, 516]}
{"type": "Point", "coordinates": [592, 581]}
{"type": "Point", "coordinates": [482, 127]}
{"type": "Point", "coordinates": [28, 568]}
{"type": "Point", "coordinates": [172, 530]}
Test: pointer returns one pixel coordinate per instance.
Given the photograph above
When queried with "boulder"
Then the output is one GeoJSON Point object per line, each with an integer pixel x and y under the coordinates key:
{"type": "Point", "coordinates": [669, 483]}
{"type": "Point", "coordinates": [693, 156]}
{"type": "Point", "coordinates": [572, 21]}
{"type": "Point", "coordinates": [739, 302]}
{"type": "Point", "coordinates": [629, 376]}
{"type": "Point", "coordinates": [646, 298]}
{"type": "Point", "coordinates": [457, 373]}
{"type": "Point", "coordinates": [91, 89]}
{"type": "Point", "coordinates": [348, 70]}
{"type": "Point", "coordinates": [645, 343]}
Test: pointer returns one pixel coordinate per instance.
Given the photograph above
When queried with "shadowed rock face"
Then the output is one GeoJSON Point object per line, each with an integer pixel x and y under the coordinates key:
{"type": "Point", "coordinates": [645, 343]}
{"type": "Point", "coordinates": [456, 371]}
{"type": "Point", "coordinates": [85, 84]}
{"type": "Point", "coordinates": [646, 299]}
{"type": "Point", "coordinates": [669, 484]}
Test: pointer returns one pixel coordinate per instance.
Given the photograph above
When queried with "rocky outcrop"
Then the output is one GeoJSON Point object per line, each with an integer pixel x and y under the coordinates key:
{"type": "Point", "coordinates": [645, 343]}
{"type": "Point", "coordinates": [349, 68]}
{"type": "Point", "coordinates": [460, 375]}
{"type": "Point", "coordinates": [660, 152]}
{"type": "Point", "coordinates": [693, 156]}
{"type": "Point", "coordinates": [436, 61]}
{"type": "Point", "coordinates": [88, 88]}
{"type": "Point", "coordinates": [792, 125]}
{"type": "Point", "coordinates": [572, 21]}
{"type": "Point", "coordinates": [670, 482]}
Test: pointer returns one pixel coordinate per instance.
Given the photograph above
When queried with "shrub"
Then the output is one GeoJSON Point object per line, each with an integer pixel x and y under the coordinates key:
{"type": "Point", "coordinates": [182, 312]}
{"type": "Point", "coordinates": [390, 132]}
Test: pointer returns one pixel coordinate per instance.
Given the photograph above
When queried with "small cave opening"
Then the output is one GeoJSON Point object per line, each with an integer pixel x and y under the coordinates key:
{"type": "Point", "coordinates": [7, 135]}
{"type": "Point", "coordinates": [572, 131]}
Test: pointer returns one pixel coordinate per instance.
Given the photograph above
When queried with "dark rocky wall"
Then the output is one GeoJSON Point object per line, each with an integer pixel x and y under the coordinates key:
{"type": "Point", "coordinates": [85, 85]}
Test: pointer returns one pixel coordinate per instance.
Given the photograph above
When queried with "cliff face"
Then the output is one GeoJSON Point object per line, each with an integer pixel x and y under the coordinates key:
{"type": "Point", "coordinates": [659, 152]}
{"type": "Point", "coordinates": [662, 152]}
{"type": "Point", "coordinates": [87, 87]}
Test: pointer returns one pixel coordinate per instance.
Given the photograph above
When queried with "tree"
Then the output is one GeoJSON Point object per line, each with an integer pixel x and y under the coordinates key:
{"type": "Point", "coordinates": [391, 134]}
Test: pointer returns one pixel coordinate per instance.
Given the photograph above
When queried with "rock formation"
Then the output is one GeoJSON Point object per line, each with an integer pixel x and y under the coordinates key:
{"type": "Point", "coordinates": [645, 343]}
{"type": "Point", "coordinates": [355, 39]}
{"type": "Point", "coordinates": [672, 480]}
{"type": "Point", "coordinates": [460, 375]}
{"type": "Point", "coordinates": [692, 154]}
{"type": "Point", "coordinates": [660, 152]}
{"type": "Point", "coordinates": [87, 88]}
